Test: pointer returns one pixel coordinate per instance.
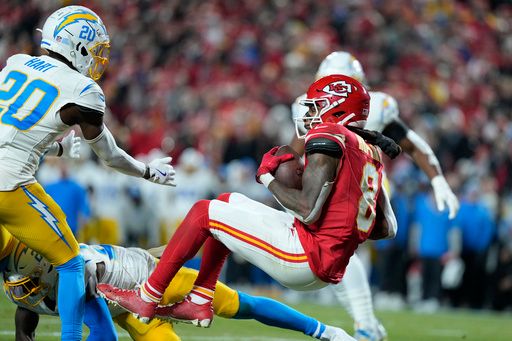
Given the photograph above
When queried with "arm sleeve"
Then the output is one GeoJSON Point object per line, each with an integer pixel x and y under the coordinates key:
{"type": "Point", "coordinates": [54, 149]}
{"type": "Point", "coordinates": [324, 146]}
{"type": "Point", "coordinates": [396, 130]}
{"type": "Point", "coordinates": [97, 318]}
{"type": "Point", "coordinates": [385, 204]}
{"type": "Point", "coordinates": [104, 145]}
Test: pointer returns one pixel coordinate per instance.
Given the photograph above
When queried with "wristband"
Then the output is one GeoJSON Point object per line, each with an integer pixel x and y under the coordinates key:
{"type": "Point", "coordinates": [266, 179]}
{"type": "Point", "coordinates": [147, 173]}
{"type": "Point", "coordinates": [61, 150]}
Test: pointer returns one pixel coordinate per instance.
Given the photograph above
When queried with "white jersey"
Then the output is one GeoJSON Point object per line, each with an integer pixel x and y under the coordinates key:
{"type": "Point", "coordinates": [32, 92]}
{"type": "Point", "coordinates": [124, 268]}
{"type": "Point", "coordinates": [383, 111]}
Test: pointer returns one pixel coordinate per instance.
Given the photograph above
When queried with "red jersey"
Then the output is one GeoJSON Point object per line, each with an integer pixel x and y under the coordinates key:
{"type": "Point", "coordinates": [348, 214]}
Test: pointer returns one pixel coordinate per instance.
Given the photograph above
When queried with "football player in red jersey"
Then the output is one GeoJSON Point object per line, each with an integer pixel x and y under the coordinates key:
{"type": "Point", "coordinates": [335, 210]}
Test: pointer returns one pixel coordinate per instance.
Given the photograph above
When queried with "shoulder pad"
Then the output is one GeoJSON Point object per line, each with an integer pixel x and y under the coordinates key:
{"type": "Point", "coordinates": [16, 58]}
{"type": "Point", "coordinates": [90, 95]}
{"type": "Point", "coordinates": [334, 132]}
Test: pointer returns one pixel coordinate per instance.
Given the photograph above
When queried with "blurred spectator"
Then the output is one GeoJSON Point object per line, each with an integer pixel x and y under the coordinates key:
{"type": "Point", "coordinates": [478, 231]}
{"type": "Point", "coordinates": [71, 197]}
{"type": "Point", "coordinates": [392, 259]}
{"type": "Point", "coordinates": [434, 241]}
{"type": "Point", "coordinates": [196, 181]}
{"type": "Point", "coordinates": [139, 220]}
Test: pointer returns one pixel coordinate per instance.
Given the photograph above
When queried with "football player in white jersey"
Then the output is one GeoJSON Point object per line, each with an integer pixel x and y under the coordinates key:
{"type": "Point", "coordinates": [353, 291]}
{"type": "Point", "coordinates": [32, 284]}
{"type": "Point", "coordinates": [40, 98]}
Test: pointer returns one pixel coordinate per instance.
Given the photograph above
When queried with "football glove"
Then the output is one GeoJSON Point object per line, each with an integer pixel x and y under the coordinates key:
{"type": "Point", "coordinates": [160, 172]}
{"type": "Point", "coordinates": [270, 162]}
{"type": "Point", "coordinates": [444, 196]}
{"type": "Point", "coordinates": [70, 145]}
{"type": "Point", "coordinates": [387, 145]}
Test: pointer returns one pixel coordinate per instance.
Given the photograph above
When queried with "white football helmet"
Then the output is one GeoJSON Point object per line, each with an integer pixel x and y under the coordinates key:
{"type": "Point", "coordinates": [28, 276]}
{"type": "Point", "coordinates": [78, 34]}
{"type": "Point", "coordinates": [341, 63]}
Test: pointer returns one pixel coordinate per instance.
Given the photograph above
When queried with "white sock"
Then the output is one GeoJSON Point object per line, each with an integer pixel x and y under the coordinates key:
{"type": "Point", "coordinates": [201, 295]}
{"type": "Point", "coordinates": [150, 294]}
{"type": "Point", "coordinates": [354, 293]}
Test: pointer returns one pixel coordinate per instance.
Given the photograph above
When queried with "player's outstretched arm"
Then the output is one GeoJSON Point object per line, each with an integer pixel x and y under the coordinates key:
{"type": "Point", "coordinates": [425, 158]}
{"type": "Point", "coordinates": [26, 323]}
{"type": "Point", "coordinates": [104, 145]}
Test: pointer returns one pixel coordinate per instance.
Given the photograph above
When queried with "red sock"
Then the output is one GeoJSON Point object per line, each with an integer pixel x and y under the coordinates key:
{"type": "Point", "coordinates": [184, 244]}
{"type": "Point", "coordinates": [214, 256]}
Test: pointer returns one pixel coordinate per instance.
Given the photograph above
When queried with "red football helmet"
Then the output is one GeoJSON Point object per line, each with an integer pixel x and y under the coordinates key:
{"type": "Point", "coordinates": [336, 98]}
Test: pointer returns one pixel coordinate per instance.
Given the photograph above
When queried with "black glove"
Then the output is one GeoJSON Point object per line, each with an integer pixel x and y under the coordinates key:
{"type": "Point", "coordinates": [388, 146]}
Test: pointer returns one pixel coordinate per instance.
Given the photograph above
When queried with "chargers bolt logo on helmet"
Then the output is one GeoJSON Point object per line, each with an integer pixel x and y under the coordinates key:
{"type": "Point", "coordinates": [78, 34]}
{"type": "Point", "coordinates": [337, 99]}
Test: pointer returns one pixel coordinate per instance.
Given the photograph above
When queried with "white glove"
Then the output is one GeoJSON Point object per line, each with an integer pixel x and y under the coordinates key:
{"type": "Point", "coordinates": [70, 146]}
{"type": "Point", "coordinates": [444, 196]}
{"type": "Point", "coordinates": [160, 172]}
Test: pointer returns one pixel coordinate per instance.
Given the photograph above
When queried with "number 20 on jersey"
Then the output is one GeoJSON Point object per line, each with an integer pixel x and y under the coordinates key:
{"type": "Point", "coordinates": [29, 101]}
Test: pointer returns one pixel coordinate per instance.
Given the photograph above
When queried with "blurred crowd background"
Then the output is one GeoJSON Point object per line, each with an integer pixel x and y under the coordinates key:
{"type": "Point", "coordinates": [210, 83]}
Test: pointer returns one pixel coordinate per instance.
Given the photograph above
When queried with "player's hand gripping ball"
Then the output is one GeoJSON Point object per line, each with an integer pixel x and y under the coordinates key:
{"type": "Point", "coordinates": [289, 173]}
{"type": "Point", "coordinates": [284, 164]}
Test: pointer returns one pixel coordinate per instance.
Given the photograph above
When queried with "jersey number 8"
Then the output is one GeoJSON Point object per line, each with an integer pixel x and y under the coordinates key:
{"type": "Point", "coordinates": [30, 103]}
{"type": "Point", "coordinates": [369, 186]}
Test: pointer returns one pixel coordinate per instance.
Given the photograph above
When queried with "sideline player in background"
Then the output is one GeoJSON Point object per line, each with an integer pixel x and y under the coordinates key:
{"type": "Point", "coordinates": [40, 98]}
{"type": "Point", "coordinates": [354, 291]}
{"type": "Point", "coordinates": [335, 211]}
{"type": "Point", "coordinates": [31, 283]}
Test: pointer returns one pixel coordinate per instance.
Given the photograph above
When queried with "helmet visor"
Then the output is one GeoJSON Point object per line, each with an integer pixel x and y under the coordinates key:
{"type": "Point", "coordinates": [100, 57]}
{"type": "Point", "coordinates": [313, 115]}
{"type": "Point", "coordinates": [25, 290]}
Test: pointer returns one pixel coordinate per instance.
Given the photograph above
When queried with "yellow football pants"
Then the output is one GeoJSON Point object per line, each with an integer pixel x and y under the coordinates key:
{"type": "Point", "coordinates": [35, 219]}
{"type": "Point", "coordinates": [225, 304]}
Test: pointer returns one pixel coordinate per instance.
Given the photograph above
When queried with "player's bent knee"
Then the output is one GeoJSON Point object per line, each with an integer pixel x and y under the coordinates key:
{"type": "Point", "coordinates": [200, 206]}
{"type": "Point", "coordinates": [74, 264]}
{"type": "Point", "coordinates": [224, 197]}
{"type": "Point", "coordinates": [246, 308]}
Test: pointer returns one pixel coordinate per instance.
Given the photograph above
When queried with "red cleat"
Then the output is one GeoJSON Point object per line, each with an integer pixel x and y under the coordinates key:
{"type": "Point", "coordinates": [129, 300]}
{"type": "Point", "coordinates": [186, 311]}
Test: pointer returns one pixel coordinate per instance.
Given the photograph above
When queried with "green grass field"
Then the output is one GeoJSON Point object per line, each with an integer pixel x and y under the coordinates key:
{"type": "Point", "coordinates": [401, 326]}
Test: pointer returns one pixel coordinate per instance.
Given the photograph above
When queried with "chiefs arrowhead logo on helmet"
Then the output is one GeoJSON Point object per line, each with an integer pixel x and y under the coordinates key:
{"type": "Point", "coordinates": [337, 99]}
{"type": "Point", "coordinates": [340, 88]}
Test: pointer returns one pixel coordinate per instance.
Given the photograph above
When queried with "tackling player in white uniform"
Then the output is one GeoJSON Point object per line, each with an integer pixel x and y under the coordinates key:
{"type": "Point", "coordinates": [31, 283]}
{"type": "Point", "coordinates": [40, 98]}
{"type": "Point", "coordinates": [353, 291]}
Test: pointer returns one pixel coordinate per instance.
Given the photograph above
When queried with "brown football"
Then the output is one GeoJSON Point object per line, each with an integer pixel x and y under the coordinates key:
{"type": "Point", "coordinates": [290, 172]}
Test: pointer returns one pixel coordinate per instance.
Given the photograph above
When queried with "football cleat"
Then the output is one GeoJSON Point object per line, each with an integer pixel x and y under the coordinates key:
{"type": "Point", "coordinates": [129, 300]}
{"type": "Point", "coordinates": [186, 311]}
{"type": "Point", "coordinates": [377, 333]}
